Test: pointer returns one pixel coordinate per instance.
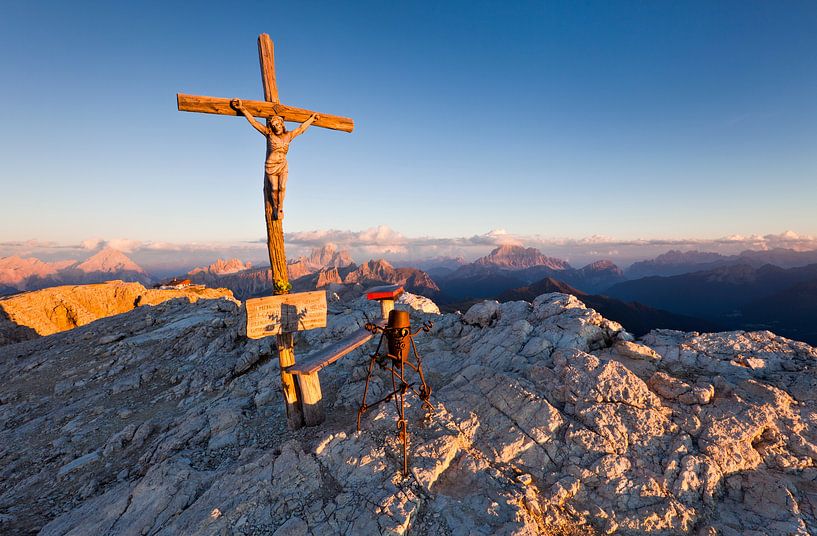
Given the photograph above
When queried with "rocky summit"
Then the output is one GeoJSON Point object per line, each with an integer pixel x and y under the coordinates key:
{"type": "Point", "coordinates": [548, 419]}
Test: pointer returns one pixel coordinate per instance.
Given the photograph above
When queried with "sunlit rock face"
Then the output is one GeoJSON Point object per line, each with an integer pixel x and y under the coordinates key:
{"type": "Point", "coordinates": [517, 257]}
{"type": "Point", "coordinates": [549, 419]}
{"type": "Point", "coordinates": [44, 312]}
{"type": "Point", "coordinates": [222, 267]}
{"type": "Point", "coordinates": [104, 265]}
{"type": "Point", "coordinates": [325, 257]}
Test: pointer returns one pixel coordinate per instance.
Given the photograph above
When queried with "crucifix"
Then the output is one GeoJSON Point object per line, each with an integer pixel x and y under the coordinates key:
{"type": "Point", "coordinates": [274, 187]}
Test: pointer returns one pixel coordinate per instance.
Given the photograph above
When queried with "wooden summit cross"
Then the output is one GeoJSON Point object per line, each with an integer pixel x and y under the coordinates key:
{"type": "Point", "coordinates": [295, 308]}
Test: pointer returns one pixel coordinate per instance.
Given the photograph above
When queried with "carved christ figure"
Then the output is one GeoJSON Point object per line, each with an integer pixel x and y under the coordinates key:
{"type": "Point", "coordinates": [275, 168]}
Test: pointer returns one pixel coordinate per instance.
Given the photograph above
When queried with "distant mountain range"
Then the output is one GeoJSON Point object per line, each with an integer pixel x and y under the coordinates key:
{"type": "Point", "coordinates": [692, 290]}
{"type": "Point", "coordinates": [508, 267]}
{"type": "Point", "coordinates": [716, 292]}
{"type": "Point", "coordinates": [323, 268]}
{"type": "Point", "coordinates": [676, 262]}
{"type": "Point", "coordinates": [738, 296]}
{"type": "Point", "coordinates": [19, 274]}
{"type": "Point", "coordinates": [637, 317]}
{"type": "Point", "coordinates": [325, 257]}
{"type": "Point", "coordinates": [438, 267]}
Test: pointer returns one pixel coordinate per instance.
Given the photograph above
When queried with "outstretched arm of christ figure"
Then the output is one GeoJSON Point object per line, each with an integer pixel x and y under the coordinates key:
{"type": "Point", "coordinates": [238, 106]}
{"type": "Point", "coordinates": [305, 125]}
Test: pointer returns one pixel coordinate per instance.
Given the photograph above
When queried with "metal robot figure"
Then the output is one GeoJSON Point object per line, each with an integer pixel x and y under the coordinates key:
{"type": "Point", "coordinates": [400, 345]}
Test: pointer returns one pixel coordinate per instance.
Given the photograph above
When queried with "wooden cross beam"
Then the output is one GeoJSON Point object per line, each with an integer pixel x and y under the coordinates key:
{"type": "Point", "coordinates": [221, 106]}
{"type": "Point", "coordinates": [270, 107]}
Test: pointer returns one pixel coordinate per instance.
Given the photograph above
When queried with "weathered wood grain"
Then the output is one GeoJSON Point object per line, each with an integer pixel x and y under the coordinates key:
{"type": "Point", "coordinates": [316, 361]}
{"type": "Point", "coordinates": [285, 313]}
{"type": "Point", "coordinates": [221, 106]}
{"type": "Point", "coordinates": [286, 358]}
{"type": "Point", "coordinates": [311, 399]}
{"type": "Point", "coordinates": [266, 58]}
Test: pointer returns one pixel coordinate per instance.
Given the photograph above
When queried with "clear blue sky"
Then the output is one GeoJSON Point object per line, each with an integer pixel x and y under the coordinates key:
{"type": "Point", "coordinates": [628, 119]}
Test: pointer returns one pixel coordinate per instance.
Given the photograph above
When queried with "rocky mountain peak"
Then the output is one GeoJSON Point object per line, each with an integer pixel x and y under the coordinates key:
{"type": "Point", "coordinates": [222, 267]}
{"type": "Point", "coordinates": [109, 260]}
{"type": "Point", "coordinates": [327, 256]}
{"type": "Point", "coordinates": [379, 269]}
{"type": "Point", "coordinates": [603, 266]}
{"type": "Point", "coordinates": [14, 270]}
{"type": "Point", "coordinates": [516, 257]}
{"type": "Point", "coordinates": [675, 256]}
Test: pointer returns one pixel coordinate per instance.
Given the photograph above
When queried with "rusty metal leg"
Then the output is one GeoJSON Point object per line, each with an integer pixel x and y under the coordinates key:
{"type": "Point", "coordinates": [425, 390]}
{"type": "Point", "coordinates": [402, 423]}
{"type": "Point", "coordinates": [363, 406]}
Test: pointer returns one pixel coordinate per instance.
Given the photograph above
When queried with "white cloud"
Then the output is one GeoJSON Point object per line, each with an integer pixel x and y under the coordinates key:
{"type": "Point", "coordinates": [125, 245]}
{"type": "Point", "coordinates": [92, 243]}
{"type": "Point", "coordinates": [383, 241]}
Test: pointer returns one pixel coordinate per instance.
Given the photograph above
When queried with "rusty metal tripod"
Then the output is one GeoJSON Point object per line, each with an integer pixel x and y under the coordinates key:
{"type": "Point", "coordinates": [400, 345]}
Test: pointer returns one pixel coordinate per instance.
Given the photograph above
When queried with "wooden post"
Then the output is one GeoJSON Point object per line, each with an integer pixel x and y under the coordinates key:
{"type": "Point", "coordinates": [284, 341]}
{"type": "Point", "coordinates": [282, 315]}
{"type": "Point", "coordinates": [386, 296]}
{"type": "Point", "coordinates": [386, 306]}
{"type": "Point", "coordinates": [292, 399]}
{"type": "Point", "coordinates": [311, 399]}
{"type": "Point", "coordinates": [277, 254]}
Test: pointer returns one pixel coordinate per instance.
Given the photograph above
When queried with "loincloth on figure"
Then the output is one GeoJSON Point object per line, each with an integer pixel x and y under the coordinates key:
{"type": "Point", "coordinates": [276, 168]}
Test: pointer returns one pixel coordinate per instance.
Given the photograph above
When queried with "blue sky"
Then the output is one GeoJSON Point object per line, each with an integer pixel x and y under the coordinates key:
{"type": "Point", "coordinates": [560, 119]}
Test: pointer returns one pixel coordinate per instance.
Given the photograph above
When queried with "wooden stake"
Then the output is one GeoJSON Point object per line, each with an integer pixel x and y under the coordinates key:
{"type": "Point", "coordinates": [286, 358]}
{"type": "Point", "coordinates": [312, 399]}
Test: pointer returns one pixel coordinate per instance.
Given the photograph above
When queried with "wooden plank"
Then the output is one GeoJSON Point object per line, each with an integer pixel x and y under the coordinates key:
{"type": "Point", "coordinates": [285, 313]}
{"type": "Point", "coordinates": [220, 106]}
{"type": "Point", "coordinates": [312, 399]}
{"type": "Point", "coordinates": [315, 362]}
{"type": "Point", "coordinates": [266, 57]}
{"type": "Point", "coordinates": [286, 358]}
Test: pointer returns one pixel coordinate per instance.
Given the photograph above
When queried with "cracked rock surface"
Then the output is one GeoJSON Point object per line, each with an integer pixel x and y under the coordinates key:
{"type": "Point", "coordinates": [548, 419]}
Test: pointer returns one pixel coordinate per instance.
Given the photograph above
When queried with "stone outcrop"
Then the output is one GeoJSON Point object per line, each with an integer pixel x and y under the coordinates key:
{"type": "Point", "coordinates": [549, 419]}
{"type": "Point", "coordinates": [55, 309]}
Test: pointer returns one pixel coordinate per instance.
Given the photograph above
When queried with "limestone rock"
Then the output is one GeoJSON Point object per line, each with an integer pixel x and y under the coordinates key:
{"type": "Point", "coordinates": [548, 419]}
{"type": "Point", "coordinates": [55, 309]}
{"type": "Point", "coordinates": [418, 303]}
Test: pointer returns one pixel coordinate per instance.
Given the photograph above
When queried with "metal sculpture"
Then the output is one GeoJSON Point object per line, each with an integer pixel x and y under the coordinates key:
{"type": "Point", "coordinates": [400, 345]}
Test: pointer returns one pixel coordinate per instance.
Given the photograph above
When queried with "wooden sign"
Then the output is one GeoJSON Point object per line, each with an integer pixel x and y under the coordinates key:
{"type": "Point", "coordinates": [286, 313]}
